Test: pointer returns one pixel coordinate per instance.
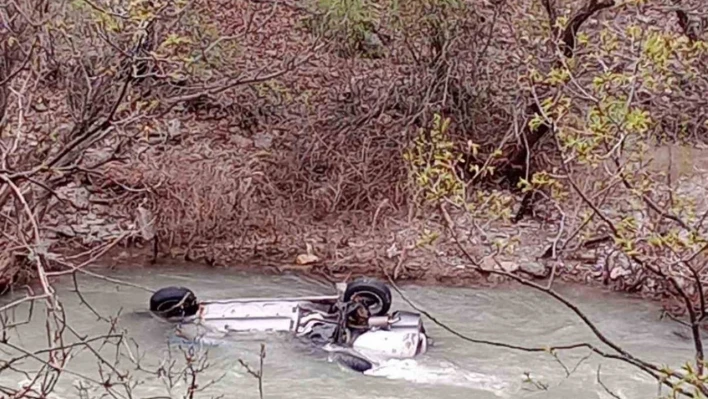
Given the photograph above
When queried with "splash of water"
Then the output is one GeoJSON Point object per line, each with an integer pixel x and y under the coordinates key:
{"type": "Point", "coordinates": [443, 374]}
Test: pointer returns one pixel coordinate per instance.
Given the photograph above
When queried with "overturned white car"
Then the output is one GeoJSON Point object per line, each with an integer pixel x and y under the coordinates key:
{"type": "Point", "coordinates": [354, 325]}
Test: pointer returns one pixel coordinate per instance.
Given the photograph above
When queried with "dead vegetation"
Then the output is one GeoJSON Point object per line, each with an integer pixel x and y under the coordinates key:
{"type": "Point", "coordinates": [251, 132]}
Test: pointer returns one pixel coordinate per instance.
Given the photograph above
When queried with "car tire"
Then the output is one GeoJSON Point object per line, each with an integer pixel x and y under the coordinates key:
{"type": "Point", "coordinates": [174, 303]}
{"type": "Point", "coordinates": [352, 362]}
{"type": "Point", "coordinates": [375, 293]}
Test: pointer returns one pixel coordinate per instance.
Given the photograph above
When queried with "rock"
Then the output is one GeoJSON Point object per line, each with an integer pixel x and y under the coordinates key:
{"type": "Point", "coordinates": [241, 141]}
{"type": "Point", "coordinates": [372, 43]}
{"type": "Point", "coordinates": [619, 272]}
{"type": "Point", "coordinates": [263, 140]}
{"type": "Point", "coordinates": [306, 259]}
{"type": "Point", "coordinates": [392, 251]}
{"type": "Point", "coordinates": [65, 230]}
{"type": "Point", "coordinates": [685, 284]}
{"type": "Point", "coordinates": [40, 106]}
{"type": "Point", "coordinates": [488, 264]}
{"type": "Point", "coordinates": [146, 223]}
{"type": "Point", "coordinates": [81, 229]}
{"type": "Point", "coordinates": [533, 268]}
{"type": "Point", "coordinates": [509, 267]}
{"type": "Point", "coordinates": [173, 127]}
{"type": "Point", "coordinates": [588, 257]}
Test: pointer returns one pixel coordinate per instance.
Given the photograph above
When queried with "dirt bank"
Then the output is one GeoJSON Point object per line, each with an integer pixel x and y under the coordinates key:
{"type": "Point", "coordinates": [421, 251]}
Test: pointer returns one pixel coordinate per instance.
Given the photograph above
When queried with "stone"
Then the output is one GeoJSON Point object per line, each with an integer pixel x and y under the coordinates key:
{"type": "Point", "coordinates": [372, 43]}
{"type": "Point", "coordinates": [619, 272]}
{"type": "Point", "coordinates": [533, 268]}
{"type": "Point", "coordinates": [174, 127]}
{"type": "Point", "coordinates": [306, 259]}
{"type": "Point", "coordinates": [241, 141]}
{"type": "Point", "coordinates": [40, 106]}
{"type": "Point", "coordinates": [262, 140]}
{"type": "Point", "coordinates": [146, 223]}
{"type": "Point", "coordinates": [509, 267]}
{"type": "Point", "coordinates": [95, 222]}
{"type": "Point", "coordinates": [488, 264]}
{"type": "Point", "coordinates": [392, 251]}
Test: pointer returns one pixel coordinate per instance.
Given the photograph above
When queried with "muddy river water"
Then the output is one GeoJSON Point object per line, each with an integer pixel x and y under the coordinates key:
{"type": "Point", "coordinates": [452, 368]}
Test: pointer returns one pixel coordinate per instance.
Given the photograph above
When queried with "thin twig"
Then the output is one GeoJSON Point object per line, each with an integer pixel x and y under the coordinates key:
{"type": "Point", "coordinates": [599, 381]}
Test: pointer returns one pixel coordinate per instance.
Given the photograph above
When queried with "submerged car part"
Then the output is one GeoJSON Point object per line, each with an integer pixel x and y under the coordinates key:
{"type": "Point", "coordinates": [174, 303]}
{"type": "Point", "coordinates": [354, 324]}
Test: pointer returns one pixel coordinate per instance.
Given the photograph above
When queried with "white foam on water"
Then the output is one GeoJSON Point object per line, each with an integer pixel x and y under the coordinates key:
{"type": "Point", "coordinates": [444, 374]}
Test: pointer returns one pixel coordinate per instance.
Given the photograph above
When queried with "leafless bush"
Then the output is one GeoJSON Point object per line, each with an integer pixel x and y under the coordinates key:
{"type": "Point", "coordinates": [199, 195]}
{"type": "Point", "coordinates": [347, 155]}
{"type": "Point", "coordinates": [86, 83]}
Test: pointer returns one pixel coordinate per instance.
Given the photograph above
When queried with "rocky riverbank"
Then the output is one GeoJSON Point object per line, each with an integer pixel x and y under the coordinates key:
{"type": "Point", "coordinates": [404, 245]}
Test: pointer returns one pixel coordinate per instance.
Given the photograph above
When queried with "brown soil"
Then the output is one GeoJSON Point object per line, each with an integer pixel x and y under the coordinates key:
{"type": "Point", "coordinates": [387, 251]}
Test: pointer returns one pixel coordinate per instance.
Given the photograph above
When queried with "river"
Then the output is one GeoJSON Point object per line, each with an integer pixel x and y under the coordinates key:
{"type": "Point", "coordinates": [452, 368]}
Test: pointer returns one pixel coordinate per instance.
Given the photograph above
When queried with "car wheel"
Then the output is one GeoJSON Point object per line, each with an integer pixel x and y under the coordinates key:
{"type": "Point", "coordinates": [373, 294]}
{"type": "Point", "coordinates": [174, 302]}
{"type": "Point", "coordinates": [352, 362]}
